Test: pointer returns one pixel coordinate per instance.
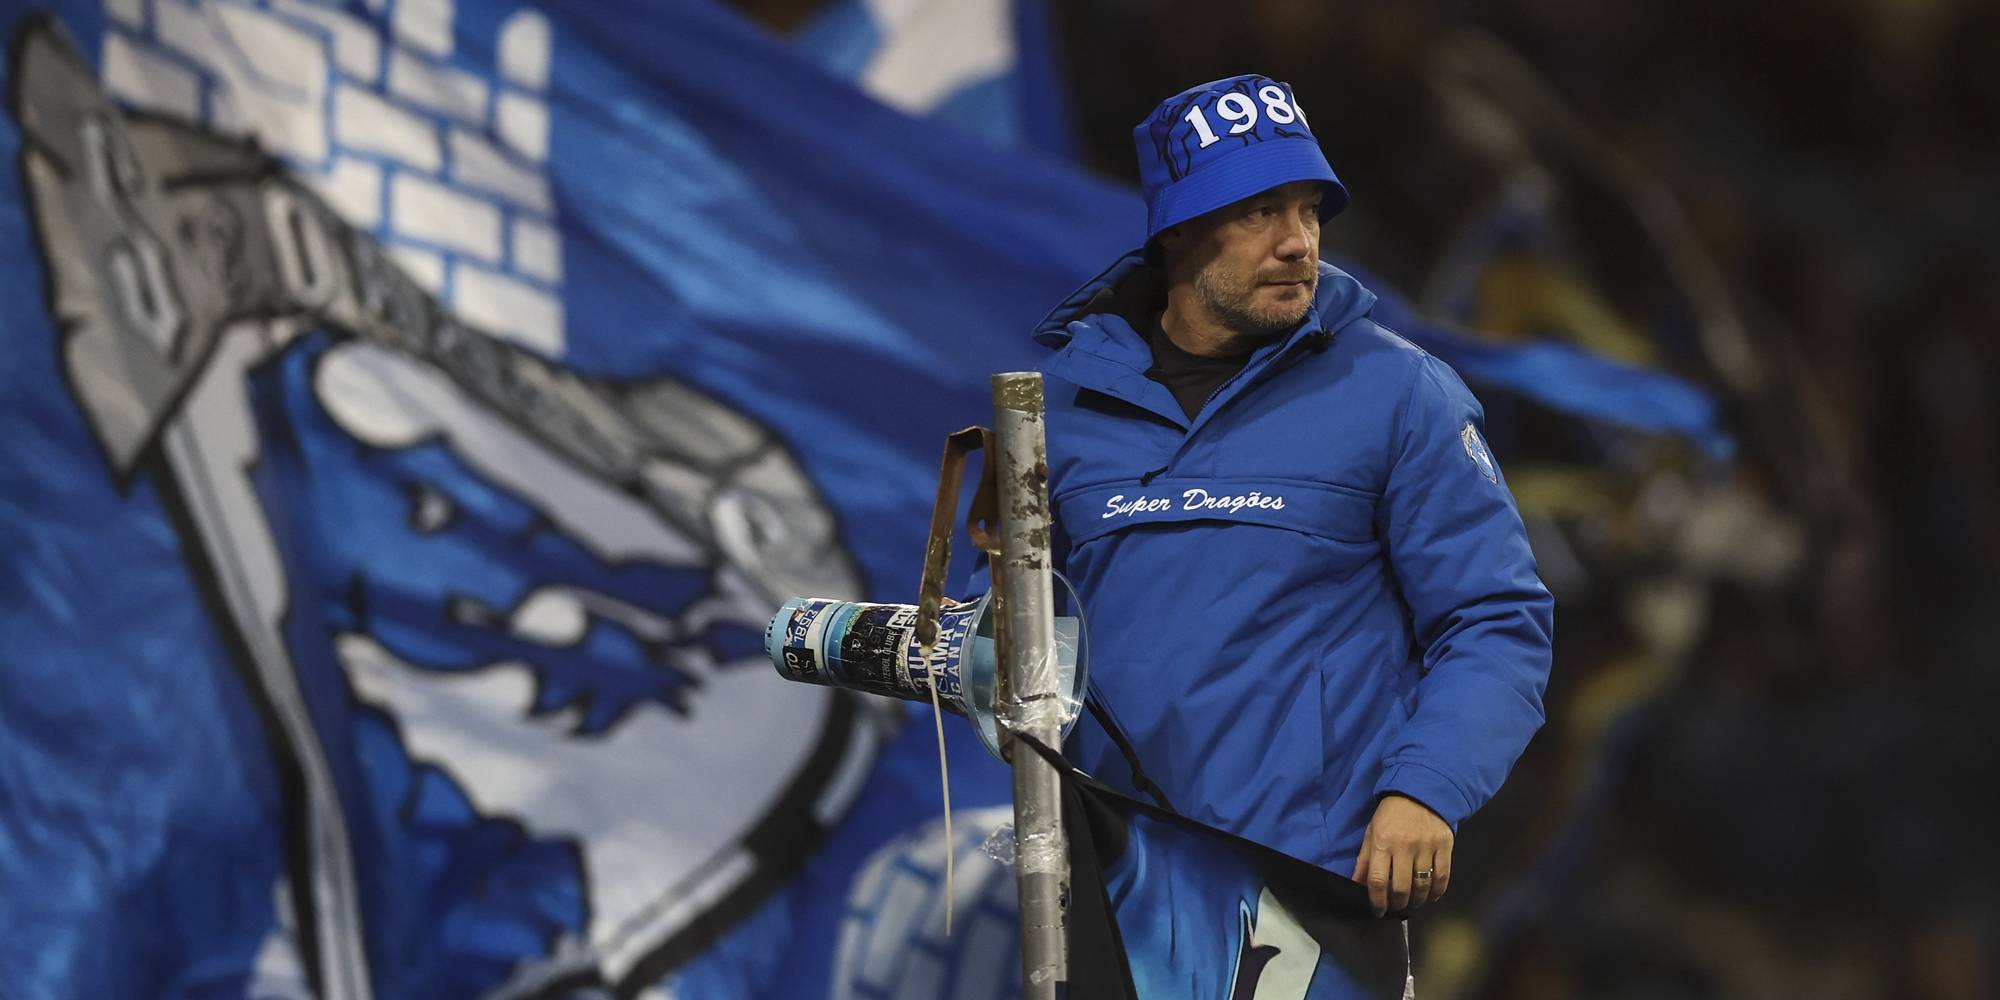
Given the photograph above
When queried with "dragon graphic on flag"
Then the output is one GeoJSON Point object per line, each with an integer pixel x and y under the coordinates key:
{"type": "Point", "coordinates": [459, 577]}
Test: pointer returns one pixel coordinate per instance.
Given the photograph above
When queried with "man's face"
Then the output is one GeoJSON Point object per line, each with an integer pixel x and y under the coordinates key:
{"type": "Point", "coordinates": [1255, 263]}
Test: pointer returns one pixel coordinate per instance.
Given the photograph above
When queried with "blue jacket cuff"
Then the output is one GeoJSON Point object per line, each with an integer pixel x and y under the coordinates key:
{"type": "Point", "coordinates": [1427, 785]}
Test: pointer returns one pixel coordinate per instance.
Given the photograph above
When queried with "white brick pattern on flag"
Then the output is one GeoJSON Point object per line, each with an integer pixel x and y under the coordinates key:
{"type": "Point", "coordinates": [440, 154]}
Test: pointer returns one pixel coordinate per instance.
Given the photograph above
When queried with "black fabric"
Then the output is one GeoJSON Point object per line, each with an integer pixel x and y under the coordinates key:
{"type": "Point", "coordinates": [1140, 298]}
{"type": "Point", "coordinates": [1098, 968]}
{"type": "Point", "coordinates": [1137, 297]}
{"type": "Point", "coordinates": [1192, 378]}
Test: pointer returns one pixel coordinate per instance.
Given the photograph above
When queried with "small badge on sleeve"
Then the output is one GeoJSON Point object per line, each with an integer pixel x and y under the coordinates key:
{"type": "Point", "coordinates": [1475, 449]}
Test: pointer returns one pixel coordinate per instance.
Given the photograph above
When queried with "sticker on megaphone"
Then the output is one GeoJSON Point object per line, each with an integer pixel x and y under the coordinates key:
{"type": "Point", "coordinates": [874, 648]}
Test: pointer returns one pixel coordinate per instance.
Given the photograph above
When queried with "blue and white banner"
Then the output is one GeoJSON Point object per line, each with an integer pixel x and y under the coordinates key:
{"type": "Point", "coordinates": [413, 410]}
{"type": "Point", "coordinates": [987, 67]}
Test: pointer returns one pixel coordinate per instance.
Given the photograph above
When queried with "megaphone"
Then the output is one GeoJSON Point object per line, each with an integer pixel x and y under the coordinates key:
{"type": "Point", "coordinates": [874, 648]}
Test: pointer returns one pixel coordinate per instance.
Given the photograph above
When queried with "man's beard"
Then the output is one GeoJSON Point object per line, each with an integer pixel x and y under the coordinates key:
{"type": "Point", "coordinates": [1229, 295]}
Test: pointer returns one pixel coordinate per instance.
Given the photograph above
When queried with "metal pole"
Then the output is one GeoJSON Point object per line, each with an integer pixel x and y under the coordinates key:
{"type": "Point", "coordinates": [1030, 689]}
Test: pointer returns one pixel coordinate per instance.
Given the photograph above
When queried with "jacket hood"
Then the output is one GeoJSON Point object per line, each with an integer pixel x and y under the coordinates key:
{"type": "Point", "coordinates": [1131, 286]}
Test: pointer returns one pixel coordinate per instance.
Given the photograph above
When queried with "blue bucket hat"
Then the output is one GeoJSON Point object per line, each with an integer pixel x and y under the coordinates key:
{"type": "Point", "coordinates": [1222, 142]}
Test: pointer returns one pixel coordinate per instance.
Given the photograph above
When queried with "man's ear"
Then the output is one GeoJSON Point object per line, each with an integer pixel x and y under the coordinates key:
{"type": "Point", "coordinates": [1173, 237]}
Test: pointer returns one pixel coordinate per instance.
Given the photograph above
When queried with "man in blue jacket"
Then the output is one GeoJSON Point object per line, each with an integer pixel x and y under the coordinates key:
{"type": "Point", "coordinates": [1312, 602]}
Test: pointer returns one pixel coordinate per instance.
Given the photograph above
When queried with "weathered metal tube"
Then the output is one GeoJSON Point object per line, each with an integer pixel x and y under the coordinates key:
{"type": "Point", "coordinates": [1030, 685]}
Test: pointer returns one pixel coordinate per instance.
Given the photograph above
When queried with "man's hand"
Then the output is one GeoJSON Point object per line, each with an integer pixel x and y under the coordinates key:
{"type": "Point", "coordinates": [1405, 840]}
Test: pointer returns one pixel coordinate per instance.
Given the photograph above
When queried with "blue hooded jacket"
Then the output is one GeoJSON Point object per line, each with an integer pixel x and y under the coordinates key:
{"type": "Point", "coordinates": [1315, 592]}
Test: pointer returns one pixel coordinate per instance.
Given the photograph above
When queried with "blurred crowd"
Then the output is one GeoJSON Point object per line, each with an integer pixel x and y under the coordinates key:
{"type": "Point", "coordinates": [1768, 742]}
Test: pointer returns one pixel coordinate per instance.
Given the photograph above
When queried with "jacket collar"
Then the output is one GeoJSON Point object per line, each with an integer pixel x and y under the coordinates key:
{"type": "Point", "coordinates": [1098, 331]}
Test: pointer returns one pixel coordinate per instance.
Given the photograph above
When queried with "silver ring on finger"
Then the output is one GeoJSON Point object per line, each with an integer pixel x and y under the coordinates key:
{"type": "Point", "coordinates": [1421, 875]}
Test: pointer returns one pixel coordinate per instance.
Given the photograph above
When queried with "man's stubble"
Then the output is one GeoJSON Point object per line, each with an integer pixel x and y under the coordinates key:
{"type": "Point", "coordinates": [1229, 295]}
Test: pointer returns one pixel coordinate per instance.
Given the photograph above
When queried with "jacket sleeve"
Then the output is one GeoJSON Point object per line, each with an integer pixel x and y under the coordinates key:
{"type": "Point", "coordinates": [1478, 611]}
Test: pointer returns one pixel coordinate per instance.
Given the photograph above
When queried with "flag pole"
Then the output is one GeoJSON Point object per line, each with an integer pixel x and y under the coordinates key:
{"type": "Point", "coordinates": [1030, 698]}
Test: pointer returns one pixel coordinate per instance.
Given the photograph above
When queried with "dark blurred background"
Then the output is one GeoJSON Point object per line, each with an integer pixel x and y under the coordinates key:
{"type": "Point", "coordinates": [1770, 738]}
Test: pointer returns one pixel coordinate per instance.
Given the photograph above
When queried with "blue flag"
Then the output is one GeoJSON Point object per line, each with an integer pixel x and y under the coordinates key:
{"type": "Point", "coordinates": [413, 414]}
{"type": "Point", "coordinates": [987, 67]}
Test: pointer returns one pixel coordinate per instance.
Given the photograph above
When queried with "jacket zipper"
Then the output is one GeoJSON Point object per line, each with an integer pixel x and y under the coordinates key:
{"type": "Point", "coordinates": [1212, 393]}
{"type": "Point", "coordinates": [1270, 367]}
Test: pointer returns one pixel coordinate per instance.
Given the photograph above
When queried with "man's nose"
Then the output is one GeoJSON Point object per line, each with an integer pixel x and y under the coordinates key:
{"type": "Point", "coordinates": [1299, 240]}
